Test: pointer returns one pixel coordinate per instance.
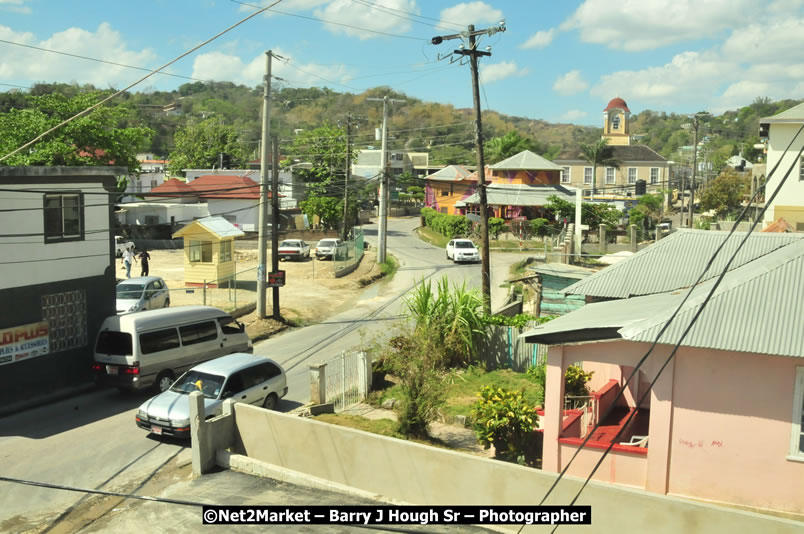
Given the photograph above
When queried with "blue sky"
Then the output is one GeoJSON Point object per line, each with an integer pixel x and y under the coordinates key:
{"type": "Point", "coordinates": [556, 61]}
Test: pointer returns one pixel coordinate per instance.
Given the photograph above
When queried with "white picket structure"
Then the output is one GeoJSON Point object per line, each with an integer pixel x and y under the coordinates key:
{"type": "Point", "coordinates": [348, 379]}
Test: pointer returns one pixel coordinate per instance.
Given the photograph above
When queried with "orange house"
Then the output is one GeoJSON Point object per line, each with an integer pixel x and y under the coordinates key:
{"type": "Point", "coordinates": [445, 188]}
{"type": "Point", "coordinates": [518, 187]}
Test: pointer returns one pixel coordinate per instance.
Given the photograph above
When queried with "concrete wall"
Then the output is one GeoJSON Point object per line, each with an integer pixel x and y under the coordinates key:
{"type": "Point", "coordinates": [409, 472]}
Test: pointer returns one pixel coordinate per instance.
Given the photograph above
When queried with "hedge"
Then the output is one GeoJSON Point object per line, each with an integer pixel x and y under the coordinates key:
{"type": "Point", "coordinates": [446, 225]}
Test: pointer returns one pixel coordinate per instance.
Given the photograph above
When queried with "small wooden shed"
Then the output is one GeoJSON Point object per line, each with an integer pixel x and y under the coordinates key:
{"type": "Point", "coordinates": [209, 251]}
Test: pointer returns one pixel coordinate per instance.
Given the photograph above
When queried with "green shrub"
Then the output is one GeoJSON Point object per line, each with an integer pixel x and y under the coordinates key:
{"type": "Point", "coordinates": [446, 225]}
{"type": "Point", "coordinates": [496, 225]}
{"type": "Point", "coordinates": [576, 379]}
{"type": "Point", "coordinates": [540, 227]}
{"type": "Point", "coordinates": [538, 373]}
{"type": "Point", "coordinates": [504, 419]}
{"type": "Point", "coordinates": [520, 320]}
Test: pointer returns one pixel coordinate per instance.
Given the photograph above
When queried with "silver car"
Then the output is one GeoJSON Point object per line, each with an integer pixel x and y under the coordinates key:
{"type": "Point", "coordinates": [142, 293]}
{"type": "Point", "coordinates": [326, 248]}
{"type": "Point", "coordinates": [242, 377]}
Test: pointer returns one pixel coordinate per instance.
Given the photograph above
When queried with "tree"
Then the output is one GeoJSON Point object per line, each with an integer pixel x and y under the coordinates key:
{"type": "Point", "coordinates": [496, 225]}
{"type": "Point", "coordinates": [98, 138]}
{"type": "Point", "coordinates": [596, 214]}
{"type": "Point", "coordinates": [560, 208]}
{"type": "Point", "coordinates": [510, 144]}
{"type": "Point", "coordinates": [599, 153]}
{"type": "Point", "coordinates": [199, 143]}
{"type": "Point", "coordinates": [328, 209]}
{"type": "Point", "coordinates": [725, 193]}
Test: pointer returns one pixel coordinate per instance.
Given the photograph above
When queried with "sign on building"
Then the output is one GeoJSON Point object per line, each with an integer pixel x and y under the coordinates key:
{"type": "Point", "coordinates": [24, 342]}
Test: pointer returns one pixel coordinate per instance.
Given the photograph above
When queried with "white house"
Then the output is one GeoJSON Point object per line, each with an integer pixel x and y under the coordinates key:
{"type": "Point", "coordinates": [58, 275]}
{"type": "Point", "coordinates": [369, 163]}
{"type": "Point", "coordinates": [780, 130]}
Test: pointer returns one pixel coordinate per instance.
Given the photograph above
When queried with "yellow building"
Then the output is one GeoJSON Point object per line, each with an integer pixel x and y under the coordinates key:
{"type": "Point", "coordinates": [636, 161]}
{"type": "Point", "coordinates": [444, 188]}
{"type": "Point", "coordinates": [209, 251]}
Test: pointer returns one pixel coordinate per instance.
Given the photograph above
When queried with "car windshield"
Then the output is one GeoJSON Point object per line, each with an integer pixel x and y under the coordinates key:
{"type": "Point", "coordinates": [464, 244]}
{"type": "Point", "coordinates": [129, 291]}
{"type": "Point", "coordinates": [291, 244]}
{"type": "Point", "coordinates": [209, 385]}
{"type": "Point", "coordinates": [326, 243]}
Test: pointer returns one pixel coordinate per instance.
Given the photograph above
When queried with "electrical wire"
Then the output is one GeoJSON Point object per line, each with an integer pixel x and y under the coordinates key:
{"type": "Point", "coordinates": [673, 316]}
{"type": "Point", "coordinates": [332, 22]}
{"type": "Point", "coordinates": [97, 60]}
{"type": "Point", "coordinates": [142, 79]}
{"type": "Point", "coordinates": [404, 15]}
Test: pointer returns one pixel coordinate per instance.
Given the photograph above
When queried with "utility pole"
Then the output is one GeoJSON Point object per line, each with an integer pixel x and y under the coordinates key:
{"type": "Point", "coordinates": [694, 166]}
{"type": "Point", "coordinates": [474, 53]}
{"type": "Point", "coordinates": [263, 211]}
{"type": "Point", "coordinates": [348, 174]}
{"type": "Point", "coordinates": [383, 230]}
{"type": "Point", "coordinates": [275, 225]}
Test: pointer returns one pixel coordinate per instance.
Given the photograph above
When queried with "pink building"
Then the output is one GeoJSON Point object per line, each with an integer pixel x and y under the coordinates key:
{"type": "Point", "coordinates": [722, 420]}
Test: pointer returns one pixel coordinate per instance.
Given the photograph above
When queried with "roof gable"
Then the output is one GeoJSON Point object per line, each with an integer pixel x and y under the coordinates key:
{"type": "Point", "coordinates": [526, 160]}
{"type": "Point", "coordinates": [216, 225]}
{"type": "Point", "coordinates": [452, 173]}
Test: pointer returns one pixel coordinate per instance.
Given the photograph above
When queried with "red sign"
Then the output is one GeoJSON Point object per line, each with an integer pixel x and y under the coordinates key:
{"type": "Point", "coordinates": [276, 279]}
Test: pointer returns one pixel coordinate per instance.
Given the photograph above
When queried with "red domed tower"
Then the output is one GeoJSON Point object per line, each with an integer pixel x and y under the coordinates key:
{"type": "Point", "coordinates": [615, 122]}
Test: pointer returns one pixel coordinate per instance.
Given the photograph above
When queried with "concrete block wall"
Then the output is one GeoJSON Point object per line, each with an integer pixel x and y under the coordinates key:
{"type": "Point", "coordinates": [402, 471]}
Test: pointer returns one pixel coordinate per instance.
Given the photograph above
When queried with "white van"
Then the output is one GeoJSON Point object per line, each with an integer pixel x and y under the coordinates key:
{"type": "Point", "coordinates": [152, 348]}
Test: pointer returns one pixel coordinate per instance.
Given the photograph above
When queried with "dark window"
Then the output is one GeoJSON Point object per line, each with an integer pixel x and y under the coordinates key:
{"type": "Point", "coordinates": [444, 193]}
{"type": "Point", "coordinates": [444, 210]}
{"type": "Point", "coordinates": [260, 373]}
{"type": "Point", "coordinates": [198, 333]}
{"type": "Point", "coordinates": [234, 384]}
{"type": "Point", "coordinates": [158, 341]}
{"type": "Point", "coordinates": [110, 342]}
{"type": "Point", "coordinates": [64, 217]}
{"type": "Point", "coordinates": [229, 325]}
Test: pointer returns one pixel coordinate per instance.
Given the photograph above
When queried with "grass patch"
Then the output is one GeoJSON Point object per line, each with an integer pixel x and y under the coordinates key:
{"type": "Point", "coordinates": [384, 427]}
{"type": "Point", "coordinates": [463, 386]}
{"type": "Point", "coordinates": [514, 244]}
{"type": "Point", "coordinates": [431, 236]}
{"type": "Point", "coordinates": [389, 266]}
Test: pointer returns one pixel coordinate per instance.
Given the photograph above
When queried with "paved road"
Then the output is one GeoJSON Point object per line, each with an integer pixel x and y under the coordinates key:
{"type": "Point", "coordinates": [91, 441]}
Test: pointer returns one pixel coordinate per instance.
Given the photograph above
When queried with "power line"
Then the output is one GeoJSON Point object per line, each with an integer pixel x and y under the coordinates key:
{"type": "Point", "coordinates": [110, 97]}
{"type": "Point", "coordinates": [673, 316]}
{"type": "Point", "coordinates": [96, 60]}
{"type": "Point", "coordinates": [331, 22]}
{"type": "Point", "coordinates": [405, 15]}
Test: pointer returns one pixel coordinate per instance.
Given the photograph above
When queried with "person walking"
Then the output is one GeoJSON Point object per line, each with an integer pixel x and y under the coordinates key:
{"type": "Point", "coordinates": [128, 259]}
{"type": "Point", "coordinates": [144, 257]}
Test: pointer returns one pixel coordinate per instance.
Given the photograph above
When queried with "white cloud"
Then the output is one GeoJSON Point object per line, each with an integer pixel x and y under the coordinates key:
{"type": "Point", "coordinates": [15, 6]}
{"type": "Point", "coordinates": [570, 83]}
{"type": "Point", "coordinates": [467, 13]}
{"type": "Point", "coordinates": [573, 115]}
{"type": "Point", "coordinates": [645, 25]}
{"type": "Point", "coordinates": [685, 79]}
{"type": "Point", "coordinates": [364, 16]}
{"type": "Point", "coordinates": [540, 39]}
{"type": "Point", "coordinates": [767, 42]}
{"type": "Point", "coordinates": [105, 43]}
{"type": "Point", "coordinates": [222, 66]}
{"type": "Point", "coordinates": [500, 71]}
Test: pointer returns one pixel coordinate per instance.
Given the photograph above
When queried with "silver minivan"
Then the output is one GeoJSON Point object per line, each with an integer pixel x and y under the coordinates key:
{"type": "Point", "coordinates": [151, 348]}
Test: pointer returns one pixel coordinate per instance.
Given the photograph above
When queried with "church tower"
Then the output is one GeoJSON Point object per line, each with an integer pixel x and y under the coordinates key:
{"type": "Point", "coordinates": [615, 122]}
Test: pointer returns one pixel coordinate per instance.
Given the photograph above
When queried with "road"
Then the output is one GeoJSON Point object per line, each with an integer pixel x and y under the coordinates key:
{"type": "Point", "coordinates": [90, 441]}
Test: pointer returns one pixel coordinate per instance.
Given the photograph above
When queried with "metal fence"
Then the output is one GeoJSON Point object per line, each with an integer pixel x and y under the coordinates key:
{"type": "Point", "coordinates": [348, 379]}
{"type": "Point", "coordinates": [349, 253]}
{"type": "Point", "coordinates": [227, 293]}
{"type": "Point", "coordinates": [503, 348]}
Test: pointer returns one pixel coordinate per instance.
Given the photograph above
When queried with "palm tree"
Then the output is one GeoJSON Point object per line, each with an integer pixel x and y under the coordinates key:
{"type": "Point", "coordinates": [510, 144]}
{"type": "Point", "coordinates": [599, 153]}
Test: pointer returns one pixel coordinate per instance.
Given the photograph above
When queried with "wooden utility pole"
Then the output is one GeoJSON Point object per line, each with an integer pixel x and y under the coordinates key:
{"type": "Point", "coordinates": [348, 175]}
{"type": "Point", "coordinates": [263, 211]}
{"type": "Point", "coordinates": [275, 225]}
{"type": "Point", "coordinates": [474, 53]}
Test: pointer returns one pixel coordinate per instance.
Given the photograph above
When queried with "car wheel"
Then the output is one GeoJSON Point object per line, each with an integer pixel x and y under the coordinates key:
{"type": "Point", "coordinates": [270, 402]}
{"type": "Point", "coordinates": [167, 303]}
{"type": "Point", "coordinates": [163, 381]}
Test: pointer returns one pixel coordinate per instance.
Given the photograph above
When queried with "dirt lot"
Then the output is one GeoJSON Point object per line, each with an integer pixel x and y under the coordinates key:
{"type": "Point", "coordinates": [311, 293]}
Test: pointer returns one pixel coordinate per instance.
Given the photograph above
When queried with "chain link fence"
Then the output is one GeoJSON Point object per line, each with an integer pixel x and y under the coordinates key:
{"type": "Point", "coordinates": [349, 254]}
{"type": "Point", "coordinates": [228, 293]}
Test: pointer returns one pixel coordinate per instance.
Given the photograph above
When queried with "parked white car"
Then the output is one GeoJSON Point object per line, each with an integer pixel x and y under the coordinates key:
{"type": "Point", "coordinates": [293, 248]}
{"type": "Point", "coordinates": [243, 377]}
{"type": "Point", "coordinates": [462, 250]}
{"type": "Point", "coordinates": [326, 247]}
{"type": "Point", "coordinates": [142, 293]}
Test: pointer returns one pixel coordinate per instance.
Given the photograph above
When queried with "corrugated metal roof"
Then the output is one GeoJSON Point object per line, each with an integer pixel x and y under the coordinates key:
{"type": "Point", "coordinates": [215, 224]}
{"type": "Point", "coordinates": [756, 309]}
{"type": "Point", "coordinates": [451, 173]}
{"type": "Point", "coordinates": [521, 195]}
{"type": "Point", "coordinates": [526, 160]}
{"type": "Point", "coordinates": [676, 262]}
{"type": "Point", "coordinates": [561, 269]}
{"type": "Point", "coordinates": [794, 115]}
